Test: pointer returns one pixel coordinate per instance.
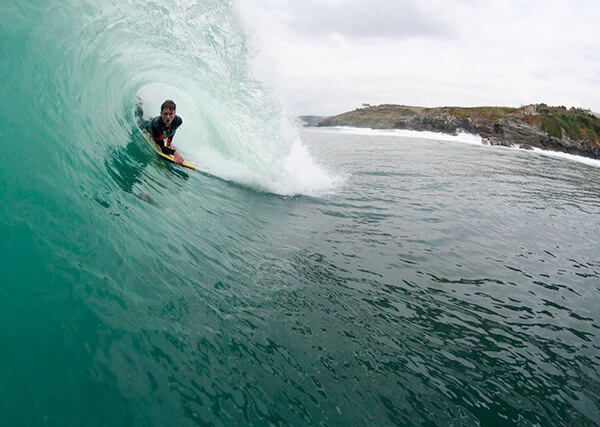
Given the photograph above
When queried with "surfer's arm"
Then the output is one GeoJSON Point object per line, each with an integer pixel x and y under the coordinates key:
{"type": "Point", "coordinates": [163, 148]}
{"type": "Point", "coordinates": [166, 150]}
{"type": "Point", "coordinates": [178, 157]}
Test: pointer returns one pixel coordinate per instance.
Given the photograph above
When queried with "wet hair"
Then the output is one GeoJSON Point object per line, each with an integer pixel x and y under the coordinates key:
{"type": "Point", "coordinates": [169, 105]}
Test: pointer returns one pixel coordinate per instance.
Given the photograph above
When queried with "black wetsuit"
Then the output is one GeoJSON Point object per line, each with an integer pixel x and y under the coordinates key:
{"type": "Point", "coordinates": [163, 134]}
{"type": "Point", "coordinates": [160, 132]}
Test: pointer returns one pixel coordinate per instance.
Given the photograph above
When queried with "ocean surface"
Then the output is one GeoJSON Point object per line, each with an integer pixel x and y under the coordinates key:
{"type": "Point", "coordinates": [299, 276]}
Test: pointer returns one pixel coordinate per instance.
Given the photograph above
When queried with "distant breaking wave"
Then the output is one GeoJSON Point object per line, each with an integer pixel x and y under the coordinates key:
{"type": "Point", "coordinates": [403, 133]}
{"type": "Point", "coordinates": [460, 137]}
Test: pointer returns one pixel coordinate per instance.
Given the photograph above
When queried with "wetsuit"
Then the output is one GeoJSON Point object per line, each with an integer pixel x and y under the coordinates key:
{"type": "Point", "coordinates": [163, 134]}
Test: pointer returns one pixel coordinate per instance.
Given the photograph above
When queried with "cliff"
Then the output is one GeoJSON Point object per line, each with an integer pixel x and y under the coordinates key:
{"type": "Point", "coordinates": [573, 131]}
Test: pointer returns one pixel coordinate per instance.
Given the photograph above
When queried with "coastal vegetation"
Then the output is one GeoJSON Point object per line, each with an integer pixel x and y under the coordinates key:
{"type": "Point", "coordinates": [573, 130]}
{"type": "Point", "coordinates": [489, 113]}
{"type": "Point", "coordinates": [574, 123]}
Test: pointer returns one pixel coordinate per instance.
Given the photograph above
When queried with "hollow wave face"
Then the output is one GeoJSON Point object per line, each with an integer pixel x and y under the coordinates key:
{"type": "Point", "coordinates": [75, 68]}
{"type": "Point", "coordinates": [94, 230]}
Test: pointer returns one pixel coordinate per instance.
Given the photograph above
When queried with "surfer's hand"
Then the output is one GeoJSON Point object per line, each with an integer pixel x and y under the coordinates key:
{"type": "Point", "coordinates": [178, 158]}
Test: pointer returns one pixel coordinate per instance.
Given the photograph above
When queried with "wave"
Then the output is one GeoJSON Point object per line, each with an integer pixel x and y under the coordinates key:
{"type": "Point", "coordinates": [462, 137]}
{"type": "Point", "coordinates": [76, 68]}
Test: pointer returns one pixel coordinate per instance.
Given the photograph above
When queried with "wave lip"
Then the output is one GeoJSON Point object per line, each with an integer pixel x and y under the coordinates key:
{"type": "Point", "coordinates": [76, 72]}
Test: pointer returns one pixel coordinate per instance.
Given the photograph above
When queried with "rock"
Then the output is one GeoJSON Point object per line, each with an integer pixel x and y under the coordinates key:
{"type": "Point", "coordinates": [496, 125]}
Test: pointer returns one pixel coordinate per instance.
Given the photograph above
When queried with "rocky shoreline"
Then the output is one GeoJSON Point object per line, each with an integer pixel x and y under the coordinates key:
{"type": "Point", "coordinates": [573, 131]}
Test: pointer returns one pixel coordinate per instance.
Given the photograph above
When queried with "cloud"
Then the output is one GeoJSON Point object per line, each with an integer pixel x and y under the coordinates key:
{"type": "Point", "coordinates": [333, 54]}
{"type": "Point", "coordinates": [359, 19]}
{"type": "Point", "coordinates": [351, 19]}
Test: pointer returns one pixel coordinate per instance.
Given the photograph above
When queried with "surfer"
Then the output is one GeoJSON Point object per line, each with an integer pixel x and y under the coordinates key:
{"type": "Point", "coordinates": [163, 128]}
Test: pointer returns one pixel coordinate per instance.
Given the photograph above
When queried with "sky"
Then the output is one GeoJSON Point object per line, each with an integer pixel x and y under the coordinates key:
{"type": "Point", "coordinates": [325, 57]}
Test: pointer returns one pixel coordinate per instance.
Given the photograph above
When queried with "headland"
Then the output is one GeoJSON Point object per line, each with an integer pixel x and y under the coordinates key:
{"type": "Point", "coordinates": [574, 131]}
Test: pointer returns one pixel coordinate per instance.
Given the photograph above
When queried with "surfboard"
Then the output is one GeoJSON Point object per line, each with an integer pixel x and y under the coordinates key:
{"type": "Point", "coordinates": [156, 148]}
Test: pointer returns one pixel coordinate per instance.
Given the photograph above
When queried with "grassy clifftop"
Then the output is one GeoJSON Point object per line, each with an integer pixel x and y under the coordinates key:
{"type": "Point", "coordinates": [380, 116]}
{"type": "Point", "coordinates": [389, 113]}
{"type": "Point", "coordinates": [573, 131]}
{"type": "Point", "coordinates": [488, 113]}
{"type": "Point", "coordinates": [574, 123]}
{"type": "Point", "coordinates": [558, 122]}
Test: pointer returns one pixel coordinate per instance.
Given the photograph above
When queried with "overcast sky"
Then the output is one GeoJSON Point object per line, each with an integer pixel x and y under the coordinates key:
{"type": "Point", "coordinates": [329, 56]}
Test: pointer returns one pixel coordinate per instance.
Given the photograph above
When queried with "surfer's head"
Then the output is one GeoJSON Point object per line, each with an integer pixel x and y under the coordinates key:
{"type": "Point", "coordinates": [167, 112]}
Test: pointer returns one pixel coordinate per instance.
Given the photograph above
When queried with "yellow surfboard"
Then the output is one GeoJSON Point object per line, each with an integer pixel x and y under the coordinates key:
{"type": "Point", "coordinates": [156, 148]}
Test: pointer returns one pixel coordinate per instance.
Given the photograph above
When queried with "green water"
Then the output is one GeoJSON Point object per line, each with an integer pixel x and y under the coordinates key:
{"type": "Point", "coordinates": [380, 280]}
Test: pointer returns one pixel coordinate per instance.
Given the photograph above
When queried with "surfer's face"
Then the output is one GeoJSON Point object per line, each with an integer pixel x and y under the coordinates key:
{"type": "Point", "coordinates": [167, 116]}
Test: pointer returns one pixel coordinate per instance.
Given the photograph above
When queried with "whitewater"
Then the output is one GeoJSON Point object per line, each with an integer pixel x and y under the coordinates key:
{"type": "Point", "coordinates": [299, 276]}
